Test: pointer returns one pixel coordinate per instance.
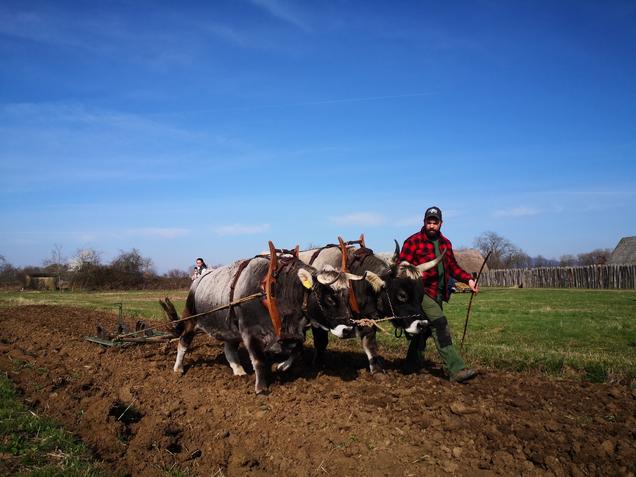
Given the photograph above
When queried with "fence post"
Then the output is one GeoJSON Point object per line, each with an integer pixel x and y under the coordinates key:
{"type": "Point", "coordinates": [591, 276]}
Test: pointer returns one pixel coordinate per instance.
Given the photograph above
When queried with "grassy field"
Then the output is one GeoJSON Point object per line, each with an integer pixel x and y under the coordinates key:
{"type": "Point", "coordinates": [32, 445]}
{"type": "Point", "coordinates": [590, 333]}
{"type": "Point", "coordinates": [137, 304]}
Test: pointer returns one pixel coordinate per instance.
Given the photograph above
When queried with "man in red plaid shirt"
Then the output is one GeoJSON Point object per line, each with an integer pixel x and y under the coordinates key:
{"type": "Point", "coordinates": [424, 246]}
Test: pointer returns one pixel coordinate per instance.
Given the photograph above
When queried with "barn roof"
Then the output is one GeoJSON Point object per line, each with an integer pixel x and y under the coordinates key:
{"type": "Point", "coordinates": [470, 259]}
{"type": "Point", "coordinates": [624, 253]}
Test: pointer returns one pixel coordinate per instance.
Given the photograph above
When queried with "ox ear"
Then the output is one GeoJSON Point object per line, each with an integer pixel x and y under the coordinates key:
{"type": "Point", "coordinates": [306, 278]}
{"type": "Point", "coordinates": [376, 282]}
{"type": "Point", "coordinates": [406, 270]}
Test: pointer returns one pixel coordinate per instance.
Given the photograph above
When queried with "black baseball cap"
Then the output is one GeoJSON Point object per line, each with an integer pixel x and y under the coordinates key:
{"type": "Point", "coordinates": [433, 212]}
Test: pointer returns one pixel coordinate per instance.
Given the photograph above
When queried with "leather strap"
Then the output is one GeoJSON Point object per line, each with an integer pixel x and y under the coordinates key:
{"type": "Point", "coordinates": [353, 302]}
{"type": "Point", "coordinates": [268, 287]}
{"type": "Point", "coordinates": [242, 266]}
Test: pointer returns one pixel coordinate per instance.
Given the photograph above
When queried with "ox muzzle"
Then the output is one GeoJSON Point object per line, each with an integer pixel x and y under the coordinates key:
{"type": "Point", "coordinates": [417, 326]}
{"type": "Point", "coordinates": [341, 331]}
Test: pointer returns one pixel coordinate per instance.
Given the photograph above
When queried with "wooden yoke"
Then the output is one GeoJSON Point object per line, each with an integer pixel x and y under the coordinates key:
{"type": "Point", "coordinates": [270, 280]}
{"type": "Point", "coordinates": [353, 303]}
{"type": "Point", "coordinates": [270, 299]}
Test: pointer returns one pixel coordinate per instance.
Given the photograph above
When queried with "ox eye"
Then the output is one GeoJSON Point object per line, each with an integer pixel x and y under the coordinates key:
{"type": "Point", "coordinates": [402, 296]}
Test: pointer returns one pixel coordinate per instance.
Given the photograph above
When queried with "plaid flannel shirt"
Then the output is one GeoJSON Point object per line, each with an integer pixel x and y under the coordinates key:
{"type": "Point", "coordinates": [418, 249]}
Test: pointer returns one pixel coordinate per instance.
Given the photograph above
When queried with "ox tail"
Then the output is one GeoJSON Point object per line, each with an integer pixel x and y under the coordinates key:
{"type": "Point", "coordinates": [171, 313]}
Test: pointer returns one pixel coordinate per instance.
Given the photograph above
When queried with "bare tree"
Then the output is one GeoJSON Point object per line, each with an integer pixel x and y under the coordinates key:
{"type": "Point", "coordinates": [86, 269]}
{"type": "Point", "coordinates": [599, 256]}
{"type": "Point", "coordinates": [84, 258]}
{"type": "Point", "coordinates": [568, 261]}
{"type": "Point", "coordinates": [541, 261]}
{"type": "Point", "coordinates": [517, 258]}
{"type": "Point", "coordinates": [57, 263]}
{"type": "Point", "coordinates": [8, 273]}
{"type": "Point", "coordinates": [502, 249]}
{"type": "Point", "coordinates": [176, 273]}
{"type": "Point", "coordinates": [132, 262]}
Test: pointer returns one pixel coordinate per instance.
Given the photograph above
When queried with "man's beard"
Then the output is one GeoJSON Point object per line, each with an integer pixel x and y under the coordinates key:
{"type": "Point", "coordinates": [432, 235]}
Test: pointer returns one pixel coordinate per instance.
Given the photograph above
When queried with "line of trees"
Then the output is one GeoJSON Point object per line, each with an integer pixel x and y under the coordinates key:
{"type": "Point", "coordinates": [86, 271]}
{"type": "Point", "coordinates": [506, 255]}
{"type": "Point", "coordinates": [131, 270]}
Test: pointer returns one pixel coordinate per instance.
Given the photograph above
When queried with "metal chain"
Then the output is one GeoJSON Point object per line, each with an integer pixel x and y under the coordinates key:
{"type": "Point", "coordinates": [388, 298]}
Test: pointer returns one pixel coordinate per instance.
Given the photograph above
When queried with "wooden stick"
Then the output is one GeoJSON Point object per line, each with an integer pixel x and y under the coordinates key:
{"type": "Point", "coordinates": [125, 410]}
{"type": "Point", "coordinates": [470, 302]}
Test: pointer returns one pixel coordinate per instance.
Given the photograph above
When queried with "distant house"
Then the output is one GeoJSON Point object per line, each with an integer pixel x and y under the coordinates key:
{"type": "Point", "coordinates": [624, 253]}
{"type": "Point", "coordinates": [41, 282]}
{"type": "Point", "coordinates": [470, 259]}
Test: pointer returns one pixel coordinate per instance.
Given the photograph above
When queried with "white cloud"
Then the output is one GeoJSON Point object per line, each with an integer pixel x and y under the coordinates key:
{"type": "Point", "coordinates": [283, 11]}
{"type": "Point", "coordinates": [418, 219]}
{"type": "Point", "coordinates": [359, 218]}
{"type": "Point", "coordinates": [157, 232]}
{"type": "Point", "coordinates": [521, 211]}
{"type": "Point", "coordinates": [238, 229]}
{"type": "Point", "coordinates": [413, 220]}
{"type": "Point", "coordinates": [71, 116]}
{"type": "Point", "coordinates": [87, 237]}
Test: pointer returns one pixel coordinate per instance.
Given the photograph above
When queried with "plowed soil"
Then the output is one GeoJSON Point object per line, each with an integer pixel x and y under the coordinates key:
{"type": "Point", "coordinates": [141, 419]}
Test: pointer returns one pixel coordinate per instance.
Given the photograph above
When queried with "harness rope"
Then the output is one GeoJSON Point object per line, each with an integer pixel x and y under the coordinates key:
{"type": "Point", "coordinates": [363, 322]}
{"type": "Point", "coordinates": [219, 308]}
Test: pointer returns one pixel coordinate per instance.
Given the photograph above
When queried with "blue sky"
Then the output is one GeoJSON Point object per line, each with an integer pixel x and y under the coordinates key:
{"type": "Point", "coordinates": [190, 129]}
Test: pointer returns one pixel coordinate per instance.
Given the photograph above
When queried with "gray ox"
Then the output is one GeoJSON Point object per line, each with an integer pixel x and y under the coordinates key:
{"type": "Point", "coordinates": [324, 292]}
{"type": "Point", "coordinates": [391, 289]}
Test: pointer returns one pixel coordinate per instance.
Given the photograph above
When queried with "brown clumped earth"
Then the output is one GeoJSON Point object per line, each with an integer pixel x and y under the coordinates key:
{"type": "Point", "coordinates": [139, 418]}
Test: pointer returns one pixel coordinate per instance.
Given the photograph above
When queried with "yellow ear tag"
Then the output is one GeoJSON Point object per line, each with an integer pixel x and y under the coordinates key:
{"type": "Point", "coordinates": [307, 284]}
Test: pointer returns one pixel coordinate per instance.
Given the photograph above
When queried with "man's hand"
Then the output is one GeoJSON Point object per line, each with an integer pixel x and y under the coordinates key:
{"type": "Point", "coordinates": [473, 286]}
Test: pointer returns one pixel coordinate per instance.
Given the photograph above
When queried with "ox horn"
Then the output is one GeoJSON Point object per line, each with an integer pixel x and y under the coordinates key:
{"type": "Point", "coordinates": [324, 281]}
{"type": "Point", "coordinates": [351, 276]}
{"type": "Point", "coordinates": [428, 265]}
{"type": "Point", "coordinates": [396, 254]}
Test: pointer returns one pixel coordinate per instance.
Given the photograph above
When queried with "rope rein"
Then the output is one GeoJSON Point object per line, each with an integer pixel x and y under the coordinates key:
{"type": "Point", "coordinates": [372, 322]}
{"type": "Point", "coordinates": [219, 308]}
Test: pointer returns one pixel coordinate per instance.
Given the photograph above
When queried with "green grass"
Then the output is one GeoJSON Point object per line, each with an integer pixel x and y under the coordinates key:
{"type": "Point", "coordinates": [35, 446]}
{"type": "Point", "coordinates": [137, 304]}
{"type": "Point", "coordinates": [590, 333]}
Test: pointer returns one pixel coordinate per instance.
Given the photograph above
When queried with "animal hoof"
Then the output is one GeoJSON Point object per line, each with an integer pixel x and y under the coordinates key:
{"type": "Point", "coordinates": [262, 392]}
{"type": "Point", "coordinates": [237, 370]}
{"type": "Point", "coordinates": [376, 365]}
{"type": "Point", "coordinates": [284, 366]}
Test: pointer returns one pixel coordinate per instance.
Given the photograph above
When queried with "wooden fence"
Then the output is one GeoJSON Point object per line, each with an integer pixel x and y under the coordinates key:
{"type": "Point", "coordinates": [594, 276]}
